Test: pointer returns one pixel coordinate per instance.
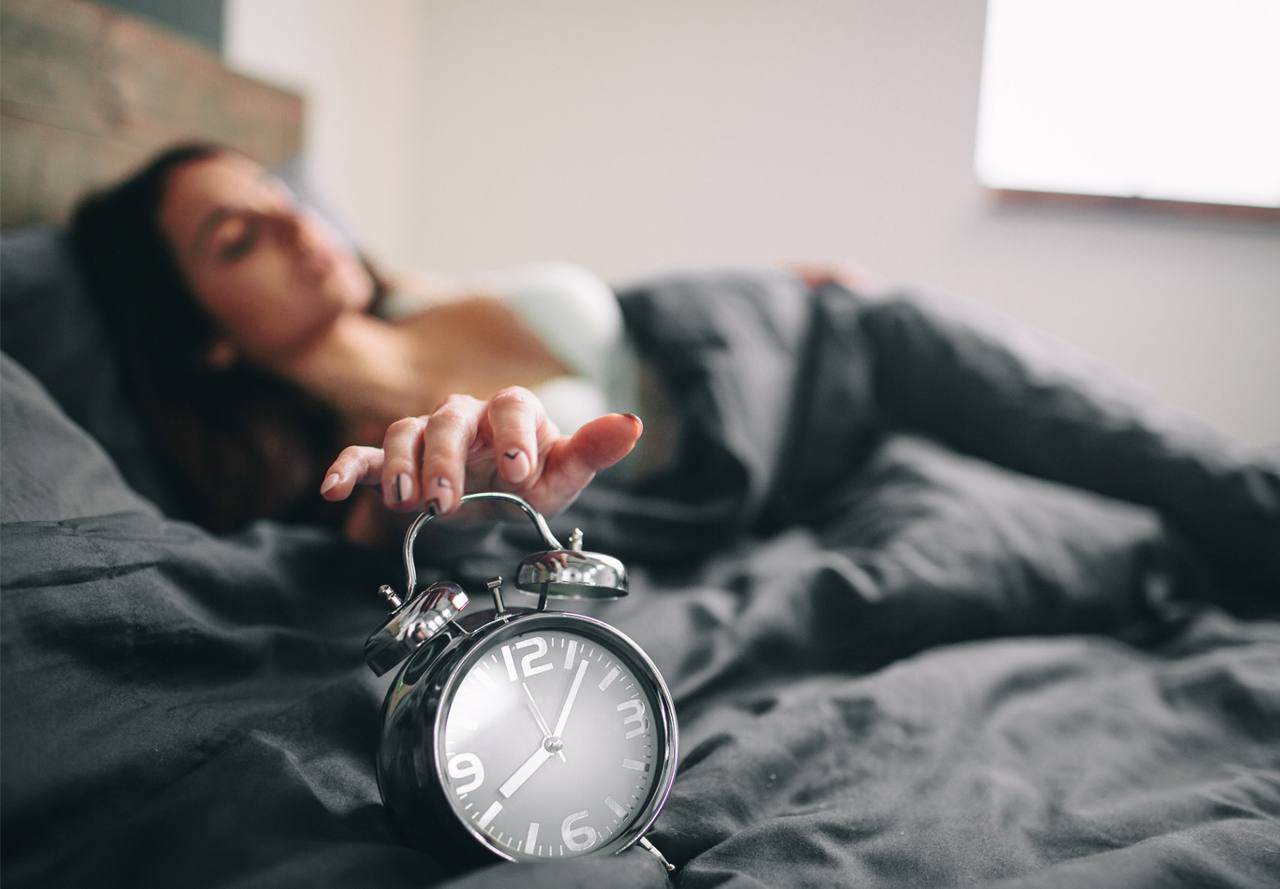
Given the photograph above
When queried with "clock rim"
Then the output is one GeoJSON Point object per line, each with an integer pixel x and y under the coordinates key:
{"type": "Point", "coordinates": [669, 734]}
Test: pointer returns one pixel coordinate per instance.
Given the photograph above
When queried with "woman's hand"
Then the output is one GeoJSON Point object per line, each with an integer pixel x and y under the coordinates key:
{"type": "Point", "coordinates": [819, 274]}
{"type": "Point", "coordinates": [505, 444]}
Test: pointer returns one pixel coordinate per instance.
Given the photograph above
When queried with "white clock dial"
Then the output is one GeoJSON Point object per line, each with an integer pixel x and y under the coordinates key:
{"type": "Point", "coordinates": [551, 745]}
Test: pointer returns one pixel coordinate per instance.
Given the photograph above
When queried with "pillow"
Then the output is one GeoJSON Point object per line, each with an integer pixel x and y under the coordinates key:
{"type": "Point", "coordinates": [52, 329]}
{"type": "Point", "coordinates": [52, 470]}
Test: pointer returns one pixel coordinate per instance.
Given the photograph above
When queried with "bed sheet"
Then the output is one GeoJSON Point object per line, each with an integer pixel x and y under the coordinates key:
{"type": "Point", "coordinates": [895, 664]}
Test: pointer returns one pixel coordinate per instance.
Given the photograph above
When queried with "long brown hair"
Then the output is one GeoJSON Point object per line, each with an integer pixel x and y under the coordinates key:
{"type": "Point", "coordinates": [233, 444]}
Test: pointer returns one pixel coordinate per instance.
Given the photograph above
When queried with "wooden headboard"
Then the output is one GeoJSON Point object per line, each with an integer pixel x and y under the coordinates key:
{"type": "Point", "coordinates": [87, 93]}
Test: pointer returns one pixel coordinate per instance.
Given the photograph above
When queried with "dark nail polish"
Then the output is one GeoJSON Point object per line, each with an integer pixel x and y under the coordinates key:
{"type": "Point", "coordinates": [511, 454]}
{"type": "Point", "coordinates": [433, 507]}
{"type": "Point", "coordinates": [443, 482]}
{"type": "Point", "coordinates": [402, 487]}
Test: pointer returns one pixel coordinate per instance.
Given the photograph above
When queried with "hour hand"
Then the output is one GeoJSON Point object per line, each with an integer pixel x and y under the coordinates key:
{"type": "Point", "coordinates": [525, 772]}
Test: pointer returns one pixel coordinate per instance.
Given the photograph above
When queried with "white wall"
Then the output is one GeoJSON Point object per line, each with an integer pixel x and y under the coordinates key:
{"type": "Point", "coordinates": [356, 63]}
{"type": "Point", "coordinates": [637, 137]}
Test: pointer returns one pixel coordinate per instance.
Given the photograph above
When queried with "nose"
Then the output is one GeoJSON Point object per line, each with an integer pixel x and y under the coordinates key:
{"type": "Point", "coordinates": [291, 228]}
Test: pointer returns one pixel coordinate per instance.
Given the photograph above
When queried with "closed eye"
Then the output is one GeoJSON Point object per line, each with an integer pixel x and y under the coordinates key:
{"type": "Point", "coordinates": [241, 239]}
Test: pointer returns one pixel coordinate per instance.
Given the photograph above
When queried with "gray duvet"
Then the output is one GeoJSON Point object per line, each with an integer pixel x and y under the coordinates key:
{"type": "Point", "coordinates": [939, 605]}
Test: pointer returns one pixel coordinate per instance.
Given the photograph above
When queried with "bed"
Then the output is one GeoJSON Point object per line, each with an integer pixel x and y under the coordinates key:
{"type": "Point", "coordinates": [976, 613]}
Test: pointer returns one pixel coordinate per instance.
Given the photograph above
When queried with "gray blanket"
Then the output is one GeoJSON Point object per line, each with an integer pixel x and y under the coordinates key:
{"type": "Point", "coordinates": [939, 605]}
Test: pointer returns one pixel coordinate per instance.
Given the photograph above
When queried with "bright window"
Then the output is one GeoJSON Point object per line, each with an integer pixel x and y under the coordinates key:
{"type": "Point", "coordinates": [1164, 99]}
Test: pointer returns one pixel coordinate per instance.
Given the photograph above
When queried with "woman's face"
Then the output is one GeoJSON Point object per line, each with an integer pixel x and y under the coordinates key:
{"type": "Point", "coordinates": [273, 278]}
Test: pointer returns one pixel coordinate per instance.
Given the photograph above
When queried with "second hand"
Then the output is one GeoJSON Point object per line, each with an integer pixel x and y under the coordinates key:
{"type": "Point", "coordinates": [537, 716]}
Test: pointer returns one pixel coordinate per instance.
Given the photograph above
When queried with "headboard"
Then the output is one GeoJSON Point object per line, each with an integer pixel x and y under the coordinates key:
{"type": "Point", "coordinates": [87, 93]}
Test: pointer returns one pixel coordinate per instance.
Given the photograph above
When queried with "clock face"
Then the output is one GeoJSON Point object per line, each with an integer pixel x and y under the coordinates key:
{"type": "Point", "coordinates": [551, 746]}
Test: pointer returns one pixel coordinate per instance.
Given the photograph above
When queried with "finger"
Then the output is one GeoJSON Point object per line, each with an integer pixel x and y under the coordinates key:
{"type": "Point", "coordinates": [402, 447]}
{"type": "Point", "coordinates": [515, 418]}
{"type": "Point", "coordinates": [450, 433]}
{"type": "Point", "coordinates": [574, 461]}
{"type": "Point", "coordinates": [356, 465]}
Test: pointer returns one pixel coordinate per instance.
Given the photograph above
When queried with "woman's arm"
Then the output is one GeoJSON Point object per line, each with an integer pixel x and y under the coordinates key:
{"type": "Point", "coordinates": [987, 387]}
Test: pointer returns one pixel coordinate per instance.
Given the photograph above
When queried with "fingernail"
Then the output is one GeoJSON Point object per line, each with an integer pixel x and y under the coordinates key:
{"type": "Point", "coordinates": [442, 498]}
{"type": "Point", "coordinates": [518, 467]}
{"type": "Point", "coordinates": [403, 488]}
{"type": "Point", "coordinates": [330, 480]}
{"type": "Point", "coordinates": [433, 507]}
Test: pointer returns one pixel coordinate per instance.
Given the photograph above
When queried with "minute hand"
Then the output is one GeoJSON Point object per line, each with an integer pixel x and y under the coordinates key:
{"type": "Point", "coordinates": [568, 702]}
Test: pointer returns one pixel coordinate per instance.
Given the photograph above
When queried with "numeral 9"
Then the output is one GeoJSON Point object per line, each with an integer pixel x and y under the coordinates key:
{"type": "Point", "coordinates": [466, 765]}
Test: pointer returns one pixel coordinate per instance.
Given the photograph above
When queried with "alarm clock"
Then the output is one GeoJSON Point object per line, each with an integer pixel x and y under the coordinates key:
{"type": "Point", "coordinates": [525, 734]}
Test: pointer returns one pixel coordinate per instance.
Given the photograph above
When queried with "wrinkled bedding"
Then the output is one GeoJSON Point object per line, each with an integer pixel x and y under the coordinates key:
{"type": "Point", "coordinates": [940, 604]}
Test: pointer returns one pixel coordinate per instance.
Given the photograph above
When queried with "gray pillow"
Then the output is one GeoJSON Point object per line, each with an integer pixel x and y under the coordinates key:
{"type": "Point", "coordinates": [52, 470]}
{"type": "Point", "coordinates": [51, 327]}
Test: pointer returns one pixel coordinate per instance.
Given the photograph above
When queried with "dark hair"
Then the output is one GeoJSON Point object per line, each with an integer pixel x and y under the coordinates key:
{"type": "Point", "coordinates": [233, 444]}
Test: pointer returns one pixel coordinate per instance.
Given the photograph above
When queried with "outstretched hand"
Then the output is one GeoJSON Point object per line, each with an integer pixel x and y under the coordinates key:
{"type": "Point", "coordinates": [505, 444]}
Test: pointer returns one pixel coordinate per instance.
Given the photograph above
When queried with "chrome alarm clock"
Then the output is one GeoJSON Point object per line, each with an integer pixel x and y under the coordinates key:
{"type": "Point", "coordinates": [524, 734]}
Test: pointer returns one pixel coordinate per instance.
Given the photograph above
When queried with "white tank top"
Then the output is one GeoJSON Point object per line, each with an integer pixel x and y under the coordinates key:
{"type": "Point", "coordinates": [576, 316]}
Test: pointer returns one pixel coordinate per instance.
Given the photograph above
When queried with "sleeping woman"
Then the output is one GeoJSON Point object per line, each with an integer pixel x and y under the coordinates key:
{"type": "Point", "coordinates": [257, 345]}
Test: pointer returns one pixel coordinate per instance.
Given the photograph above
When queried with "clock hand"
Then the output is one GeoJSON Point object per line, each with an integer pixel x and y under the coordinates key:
{"type": "Point", "coordinates": [537, 717]}
{"type": "Point", "coordinates": [525, 772]}
{"type": "Point", "coordinates": [542, 754]}
{"type": "Point", "coordinates": [537, 714]}
{"type": "Point", "coordinates": [568, 702]}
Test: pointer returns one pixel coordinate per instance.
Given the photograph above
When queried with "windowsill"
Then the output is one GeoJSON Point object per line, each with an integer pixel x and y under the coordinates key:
{"type": "Point", "coordinates": [1013, 197]}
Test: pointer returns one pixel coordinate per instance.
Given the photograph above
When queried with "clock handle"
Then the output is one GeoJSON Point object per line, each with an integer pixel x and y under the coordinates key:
{"type": "Point", "coordinates": [411, 570]}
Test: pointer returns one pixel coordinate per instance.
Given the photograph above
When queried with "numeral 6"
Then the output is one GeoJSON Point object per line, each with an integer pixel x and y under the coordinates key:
{"type": "Point", "coordinates": [578, 838]}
